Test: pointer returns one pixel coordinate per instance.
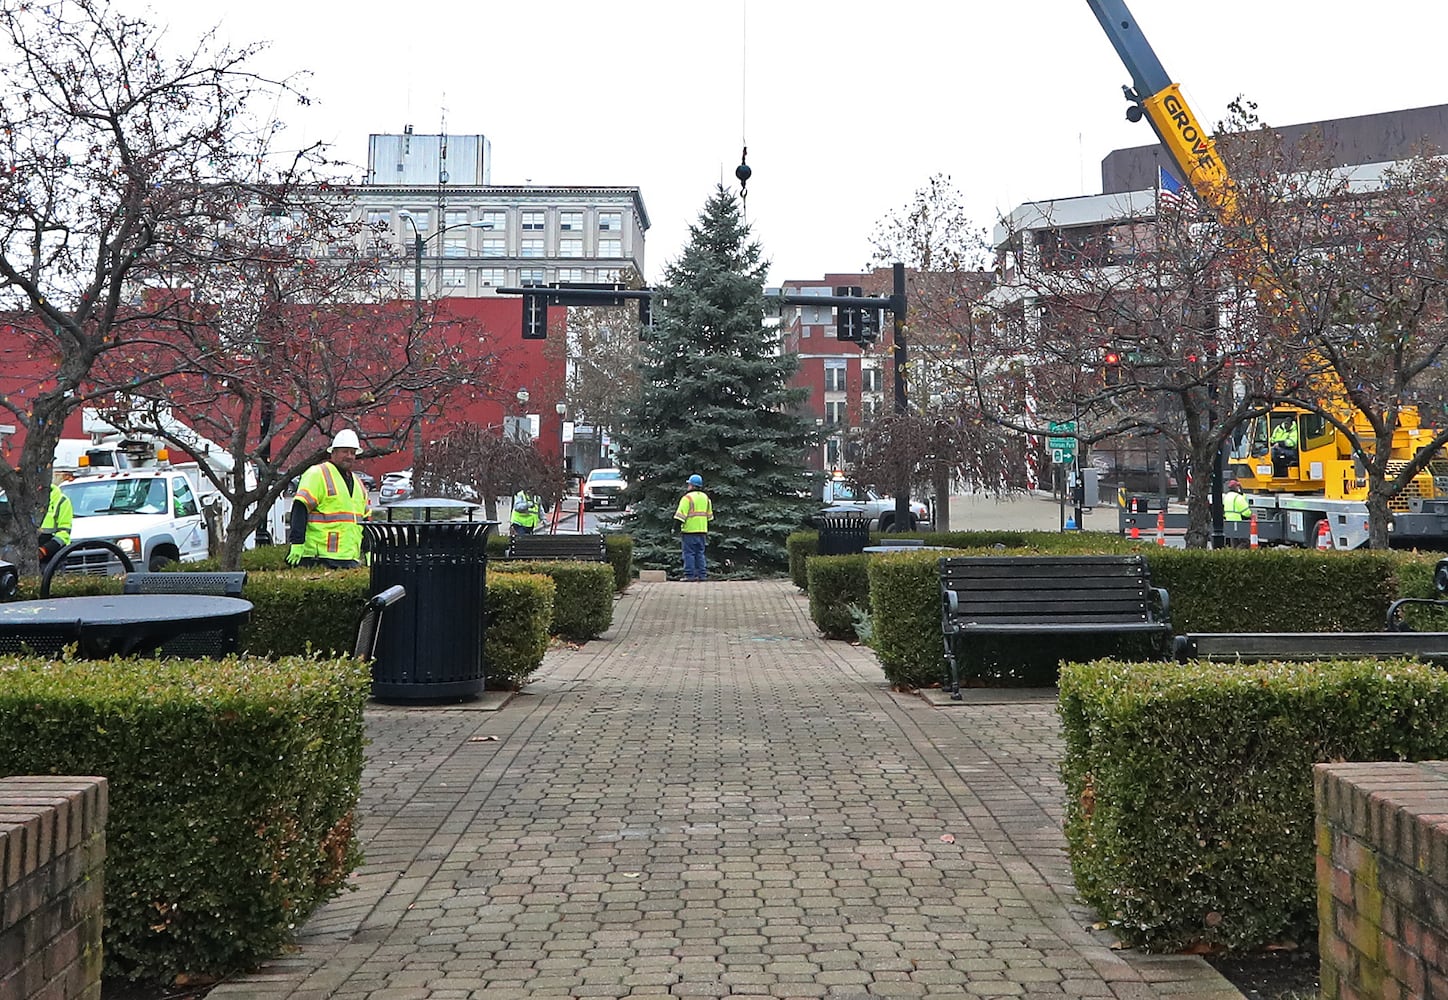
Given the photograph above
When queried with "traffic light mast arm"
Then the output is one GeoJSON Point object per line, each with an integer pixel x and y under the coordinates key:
{"type": "Point", "coordinates": [1155, 95]}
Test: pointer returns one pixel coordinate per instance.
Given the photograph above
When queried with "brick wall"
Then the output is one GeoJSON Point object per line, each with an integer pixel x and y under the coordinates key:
{"type": "Point", "coordinates": [52, 862]}
{"type": "Point", "coordinates": [1382, 879]}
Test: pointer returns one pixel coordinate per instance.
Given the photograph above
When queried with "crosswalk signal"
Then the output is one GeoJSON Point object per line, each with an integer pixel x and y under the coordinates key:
{"type": "Point", "coordinates": [535, 316]}
{"type": "Point", "coordinates": [1112, 370]}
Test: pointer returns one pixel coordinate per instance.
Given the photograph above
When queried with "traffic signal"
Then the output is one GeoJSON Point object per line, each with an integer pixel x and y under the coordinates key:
{"type": "Point", "coordinates": [646, 315]}
{"type": "Point", "coordinates": [869, 325]}
{"type": "Point", "coordinates": [535, 316]}
{"type": "Point", "coordinates": [849, 322]}
{"type": "Point", "coordinates": [1112, 369]}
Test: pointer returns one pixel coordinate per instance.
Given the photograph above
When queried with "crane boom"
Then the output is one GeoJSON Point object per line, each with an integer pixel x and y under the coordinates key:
{"type": "Point", "coordinates": [1159, 100]}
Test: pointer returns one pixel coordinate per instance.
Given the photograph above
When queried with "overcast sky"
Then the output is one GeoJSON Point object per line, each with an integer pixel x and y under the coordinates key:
{"type": "Point", "coordinates": [847, 107]}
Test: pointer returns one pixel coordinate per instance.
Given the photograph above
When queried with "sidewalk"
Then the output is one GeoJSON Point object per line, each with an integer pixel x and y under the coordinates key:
{"type": "Point", "coordinates": [711, 801]}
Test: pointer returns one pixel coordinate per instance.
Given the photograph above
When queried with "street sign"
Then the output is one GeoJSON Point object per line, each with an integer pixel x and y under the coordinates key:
{"type": "Point", "coordinates": [1063, 449]}
{"type": "Point", "coordinates": [1059, 456]}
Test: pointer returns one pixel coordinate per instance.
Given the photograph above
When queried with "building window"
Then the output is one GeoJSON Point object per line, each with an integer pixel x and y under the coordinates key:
{"type": "Point", "coordinates": [835, 412]}
{"type": "Point", "coordinates": [454, 277]}
{"type": "Point", "coordinates": [570, 222]}
{"type": "Point", "coordinates": [419, 218]}
{"type": "Point", "coordinates": [495, 246]}
{"type": "Point", "coordinates": [832, 453]}
{"type": "Point", "coordinates": [455, 246]}
{"type": "Point", "coordinates": [610, 222]}
{"type": "Point", "coordinates": [834, 376]}
{"type": "Point", "coordinates": [572, 274]}
{"type": "Point", "coordinates": [532, 247]}
{"type": "Point", "coordinates": [492, 277]}
{"type": "Point", "coordinates": [570, 247]}
{"type": "Point", "coordinates": [495, 221]}
{"type": "Point", "coordinates": [530, 276]}
{"type": "Point", "coordinates": [869, 409]}
{"type": "Point", "coordinates": [871, 379]}
{"type": "Point", "coordinates": [456, 218]}
{"type": "Point", "coordinates": [379, 217]}
{"type": "Point", "coordinates": [610, 248]}
{"type": "Point", "coordinates": [533, 222]}
{"type": "Point", "coordinates": [608, 275]}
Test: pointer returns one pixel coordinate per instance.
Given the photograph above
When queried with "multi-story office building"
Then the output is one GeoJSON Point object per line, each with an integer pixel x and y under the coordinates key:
{"type": "Point", "coordinates": [477, 236]}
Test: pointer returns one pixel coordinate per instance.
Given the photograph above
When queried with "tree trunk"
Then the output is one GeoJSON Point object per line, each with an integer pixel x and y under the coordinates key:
{"type": "Point", "coordinates": [942, 496]}
{"type": "Point", "coordinates": [1378, 512]}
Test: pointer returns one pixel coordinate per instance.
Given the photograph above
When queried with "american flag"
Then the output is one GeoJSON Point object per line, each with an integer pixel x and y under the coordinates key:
{"type": "Point", "coordinates": [1169, 191]}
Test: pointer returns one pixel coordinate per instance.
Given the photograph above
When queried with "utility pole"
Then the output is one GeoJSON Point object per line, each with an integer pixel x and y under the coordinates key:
{"type": "Point", "coordinates": [897, 308]}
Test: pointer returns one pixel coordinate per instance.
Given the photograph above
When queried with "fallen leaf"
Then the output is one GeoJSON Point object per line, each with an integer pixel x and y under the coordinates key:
{"type": "Point", "coordinates": [482, 739]}
{"type": "Point", "coordinates": [947, 838]}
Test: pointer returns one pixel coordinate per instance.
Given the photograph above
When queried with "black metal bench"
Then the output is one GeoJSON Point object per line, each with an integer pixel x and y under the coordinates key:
{"type": "Point", "coordinates": [1250, 647]}
{"type": "Point", "coordinates": [1004, 596]}
{"type": "Point", "coordinates": [584, 548]}
{"type": "Point", "coordinates": [218, 642]}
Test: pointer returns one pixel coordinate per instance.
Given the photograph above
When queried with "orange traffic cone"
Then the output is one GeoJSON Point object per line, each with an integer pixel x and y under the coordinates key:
{"type": "Point", "coordinates": [1252, 533]}
{"type": "Point", "coordinates": [1161, 527]}
{"type": "Point", "coordinates": [1324, 536]}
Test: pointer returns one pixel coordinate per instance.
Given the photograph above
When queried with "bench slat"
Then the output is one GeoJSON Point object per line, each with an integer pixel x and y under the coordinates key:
{"type": "Point", "coordinates": [1250, 646]}
{"type": "Point", "coordinates": [590, 548]}
{"type": "Point", "coordinates": [1060, 628]}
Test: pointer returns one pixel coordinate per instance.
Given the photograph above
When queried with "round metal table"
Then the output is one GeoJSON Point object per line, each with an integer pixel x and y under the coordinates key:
{"type": "Point", "coordinates": [121, 624]}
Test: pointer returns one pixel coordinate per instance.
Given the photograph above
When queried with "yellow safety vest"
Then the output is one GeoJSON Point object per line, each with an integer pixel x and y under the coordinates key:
{"type": "Point", "coordinates": [695, 511]}
{"type": "Point", "coordinates": [526, 510]}
{"type": "Point", "coordinates": [1236, 507]}
{"type": "Point", "coordinates": [59, 515]}
{"type": "Point", "coordinates": [334, 516]}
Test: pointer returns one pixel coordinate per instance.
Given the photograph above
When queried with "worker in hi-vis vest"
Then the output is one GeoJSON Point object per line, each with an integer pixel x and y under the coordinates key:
{"type": "Point", "coordinates": [55, 529]}
{"type": "Point", "coordinates": [327, 514]}
{"type": "Point", "coordinates": [694, 514]}
{"type": "Point", "coordinates": [527, 512]}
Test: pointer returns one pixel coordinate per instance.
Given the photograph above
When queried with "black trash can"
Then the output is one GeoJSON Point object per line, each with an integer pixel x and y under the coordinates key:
{"type": "Point", "coordinates": [430, 646]}
{"type": "Point", "coordinates": [844, 531]}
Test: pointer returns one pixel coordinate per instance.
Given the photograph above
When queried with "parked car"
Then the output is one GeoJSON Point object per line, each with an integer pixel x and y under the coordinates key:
{"type": "Point", "coordinates": [395, 486]}
{"type": "Point", "coordinates": [603, 489]}
{"type": "Point", "coordinates": [880, 509]}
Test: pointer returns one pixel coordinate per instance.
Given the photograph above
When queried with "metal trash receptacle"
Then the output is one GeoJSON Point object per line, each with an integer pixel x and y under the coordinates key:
{"type": "Point", "coordinates": [844, 531]}
{"type": "Point", "coordinates": [430, 645]}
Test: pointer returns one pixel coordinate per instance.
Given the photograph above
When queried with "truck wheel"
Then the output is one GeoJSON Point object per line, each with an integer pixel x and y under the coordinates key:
{"type": "Point", "coordinates": [887, 523]}
{"type": "Point", "coordinates": [159, 561]}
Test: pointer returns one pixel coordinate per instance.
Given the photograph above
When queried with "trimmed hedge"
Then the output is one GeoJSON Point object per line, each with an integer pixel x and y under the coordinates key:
{"type": "Point", "coordinates": [1229, 590]}
{"type": "Point", "coordinates": [1189, 809]}
{"type": "Point", "coordinates": [232, 789]}
{"type": "Point", "coordinates": [837, 583]}
{"type": "Point", "coordinates": [620, 556]}
{"type": "Point", "coordinates": [299, 611]}
{"type": "Point", "coordinates": [583, 602]}
{"type": "Point", "coordinates": [520, 609]}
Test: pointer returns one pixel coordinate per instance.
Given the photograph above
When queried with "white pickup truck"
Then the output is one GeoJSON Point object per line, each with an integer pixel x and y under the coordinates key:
{"type": "Point", "coordinates": [153, 515]}
{"type": "Point", "coordinates": [881, 509]}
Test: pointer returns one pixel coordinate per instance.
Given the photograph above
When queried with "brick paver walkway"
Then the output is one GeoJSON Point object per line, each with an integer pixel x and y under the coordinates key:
{"type": "Point", "coordinates": [711, 801]}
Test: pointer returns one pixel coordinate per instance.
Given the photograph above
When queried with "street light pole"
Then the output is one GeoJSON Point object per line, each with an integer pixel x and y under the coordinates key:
{"type": "Point", "coordinates": [897, 298]}
{"type": "Point", "coordinates": [562, 409]}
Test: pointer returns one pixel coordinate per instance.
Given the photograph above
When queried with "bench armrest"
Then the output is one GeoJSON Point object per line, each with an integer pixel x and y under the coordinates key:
{"type": "Point", "coordinates": [950, 602]}
{"type": "Point", "coordinates": [1165, 599]}
{"type": "Point", "coordinates": [1395, 611]}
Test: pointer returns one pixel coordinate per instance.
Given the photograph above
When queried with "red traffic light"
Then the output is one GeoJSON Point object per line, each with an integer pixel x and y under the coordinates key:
{"type": "Point", "coordinates": [1112, 358]}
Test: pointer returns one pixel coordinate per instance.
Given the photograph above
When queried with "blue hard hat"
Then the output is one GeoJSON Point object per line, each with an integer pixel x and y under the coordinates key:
{"type": "Point", "coordinates": [696, 480]}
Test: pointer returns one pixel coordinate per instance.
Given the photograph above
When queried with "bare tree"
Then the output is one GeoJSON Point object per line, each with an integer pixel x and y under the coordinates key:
{"type": "Point", "coordinates": [117, 157]}
{"type": "Point", "coordinates": [483, 462]}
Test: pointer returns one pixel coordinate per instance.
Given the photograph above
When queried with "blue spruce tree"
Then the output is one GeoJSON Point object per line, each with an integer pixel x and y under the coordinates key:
{"type": "Point", "coordinates": [715, 401]}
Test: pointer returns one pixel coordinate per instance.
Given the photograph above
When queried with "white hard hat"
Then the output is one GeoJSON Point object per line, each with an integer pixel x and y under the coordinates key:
{"type": "Point", "coordinates": [346, 438]}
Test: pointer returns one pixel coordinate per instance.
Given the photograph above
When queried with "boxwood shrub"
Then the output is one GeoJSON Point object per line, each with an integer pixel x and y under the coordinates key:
{"type": "Point", "coordinates": [1189, 808]}
{"type": "Point", "coordinates": [520, 610]}
{"type": "Point", "coordinates": [583, 601]}
{"type": "Point", "coordinates": [232, 789]}
{"type": "Point", "coordinates": [837, 584]}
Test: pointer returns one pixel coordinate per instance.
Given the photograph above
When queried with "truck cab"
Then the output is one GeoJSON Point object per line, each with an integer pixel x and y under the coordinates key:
{"type": "Point", "coordinates": [152, 515]}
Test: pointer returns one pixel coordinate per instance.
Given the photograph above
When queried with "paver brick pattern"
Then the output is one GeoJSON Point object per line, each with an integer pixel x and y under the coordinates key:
{"type": "Point", "coordinates": [712, 801]}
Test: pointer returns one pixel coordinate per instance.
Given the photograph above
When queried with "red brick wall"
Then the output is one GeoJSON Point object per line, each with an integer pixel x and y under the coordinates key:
{"type": "Point", "coordinates": [52, 862]}
{"type": "Point", "coordinates": [1382, 879]}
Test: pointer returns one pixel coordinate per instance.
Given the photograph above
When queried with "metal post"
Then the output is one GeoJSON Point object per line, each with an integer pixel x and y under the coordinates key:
{"type": "Point", "coordinates": [417, 311]}
{"type": "Point", "coordinates": [897, 308]}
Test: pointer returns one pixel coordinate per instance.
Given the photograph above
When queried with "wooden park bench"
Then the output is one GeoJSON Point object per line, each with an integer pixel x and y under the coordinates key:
{"type": "Point", "coordinates": [1004, 596]}
{"type": "Point", "coordinates": [1247, 647]}
{"type": "Point", "coordinates": [584, 548]}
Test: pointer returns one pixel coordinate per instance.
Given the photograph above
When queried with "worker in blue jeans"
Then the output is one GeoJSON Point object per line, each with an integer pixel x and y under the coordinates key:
{"type": "Point", "coordinates": [694, 513]}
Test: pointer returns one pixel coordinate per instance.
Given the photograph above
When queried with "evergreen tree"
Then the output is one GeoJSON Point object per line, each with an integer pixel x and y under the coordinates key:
{"type": "Point", "coordinates": [714, 400]}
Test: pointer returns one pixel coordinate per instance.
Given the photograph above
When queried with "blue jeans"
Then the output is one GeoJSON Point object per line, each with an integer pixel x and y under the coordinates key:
{"type": "Point", "coordinates": [694, 567]}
